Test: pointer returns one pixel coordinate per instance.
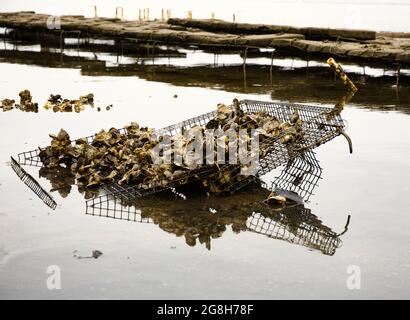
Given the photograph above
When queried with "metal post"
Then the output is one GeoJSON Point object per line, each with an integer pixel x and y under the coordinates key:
{"type": "Point", "coordinates": [245, 55]}
{"type": "Point", "coordinates": [307, 69]}
{"type": "Point", "coordinates": [153, 51]}
{"type": "Point", "coordinates": [61, 41]}
{"type": "Point", "coordinates": [117, 11]}
{"type": "Point", "coordinates": [271, 68]}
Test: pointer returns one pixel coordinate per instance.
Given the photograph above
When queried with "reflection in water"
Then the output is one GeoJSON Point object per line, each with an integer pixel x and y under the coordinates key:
{"type": "Point", "coordinates": [204, 218]}
{"type": "Point", "coordinates": [284, 78]}
{"type": "Point", "coordinates": [33, 184]}
{"type": "Point", "coordinates": [62, 180]}
{"type": "Point", "coordinates": [200, 219]}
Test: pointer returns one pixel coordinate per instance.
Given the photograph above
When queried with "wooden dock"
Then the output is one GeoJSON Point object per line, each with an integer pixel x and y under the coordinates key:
{"type": "Point", "coordinates": [353, 45]}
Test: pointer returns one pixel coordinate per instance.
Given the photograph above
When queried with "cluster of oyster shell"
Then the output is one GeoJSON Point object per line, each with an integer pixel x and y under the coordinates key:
{"type": "Point", "coordinates": [126, 157]}
{"type": "Point", "coordinates": [55, 103]}
{"type": "Point", "coordinates": [58, 104]}
{"type": "Point", "coordinates": [26, 103]}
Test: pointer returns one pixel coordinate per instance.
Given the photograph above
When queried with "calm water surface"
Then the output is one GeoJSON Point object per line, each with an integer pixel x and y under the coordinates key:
{"type": "Point", "coordinates": [148, 260]}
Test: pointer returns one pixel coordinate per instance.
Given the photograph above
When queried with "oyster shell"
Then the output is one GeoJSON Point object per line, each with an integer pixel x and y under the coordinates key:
{"type": "Point", "coordinates": [125, 157]}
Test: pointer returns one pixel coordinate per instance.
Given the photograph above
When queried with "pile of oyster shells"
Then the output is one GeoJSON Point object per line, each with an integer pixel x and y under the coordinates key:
{"type": "Point", "coordinates": [55, 103]}
{"type": "Point", "coordinates": [58, 104]}
{"type": "Point", "coordinates": [126, 157]}
{"type": "Point", "coordinates": [26, 103]}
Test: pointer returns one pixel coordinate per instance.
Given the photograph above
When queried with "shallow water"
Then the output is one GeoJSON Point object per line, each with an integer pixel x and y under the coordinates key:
{"type": "Point", "coordinates": [148, 260]}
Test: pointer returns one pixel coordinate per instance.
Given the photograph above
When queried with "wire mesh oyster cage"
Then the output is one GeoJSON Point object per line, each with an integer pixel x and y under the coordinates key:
{"type": "Point", "coordinates": [296, 225]}
{"type": "Point", "coordinates": [244, 211]}
{"type": "Point", "coordinates": [320, 125]}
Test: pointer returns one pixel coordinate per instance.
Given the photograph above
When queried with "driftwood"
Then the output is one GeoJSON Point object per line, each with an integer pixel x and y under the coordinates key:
{"type": "Point", "coordinates": [338, 70]}
{"type": "Point", "coordinates": [351, 90]}
{"type": "Point", "coordinates": [214, 25]}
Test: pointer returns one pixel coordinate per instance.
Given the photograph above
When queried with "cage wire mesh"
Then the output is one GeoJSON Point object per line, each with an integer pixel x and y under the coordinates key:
{"type": "Point", "coordinates": [294, 224]}
{"type": "Point", "coordinates": [33, 184]}
{"type": "Point", "coordinates": [318, 128]}
{"type": "Point", "coordinates": [300, 175]}
{"type": "Point", "coordinates": [299, 227]}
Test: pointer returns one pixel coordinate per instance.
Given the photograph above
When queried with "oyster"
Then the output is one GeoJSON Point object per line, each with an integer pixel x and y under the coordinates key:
{"type": "Point", "coordinates": [126, 157]}
{"type": "Point", "coordinates": [58, 104]}
{"type": "Point", "coordinates": [7, 104]}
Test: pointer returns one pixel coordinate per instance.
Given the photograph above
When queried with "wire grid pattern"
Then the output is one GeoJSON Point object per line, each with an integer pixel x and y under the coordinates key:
{"type": "Point", "coordinates": [301, 175]}
{"type": "Point", "coordinates": [114, 209]}
{"type": "Point", "coordinates": [33, 184]}
{"type": "Point", "coordinates": [318, 129]}
{"type": "Point", "coordinates": [307, 234]}
{"type": "Point", "coordinates": [32, 158]}
{"type": "Point", "coordinates": [298, 226]}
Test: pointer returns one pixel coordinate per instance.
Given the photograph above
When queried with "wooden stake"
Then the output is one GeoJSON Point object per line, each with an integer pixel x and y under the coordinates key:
{"type": "Point", "coordinates": [245, 55]}
{"type": "Point", "coordinates": [117, 15]}
{"type": "Point", "coordinates": [271, 68]}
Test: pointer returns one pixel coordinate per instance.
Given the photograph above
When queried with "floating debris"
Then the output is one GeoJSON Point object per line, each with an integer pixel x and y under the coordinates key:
{"type": "Point", "coordinates": [127, 157]}
{"type": "Point", "coordinates": [283, 197]}
{"type": "Point", "coordinates": [95, 254]}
